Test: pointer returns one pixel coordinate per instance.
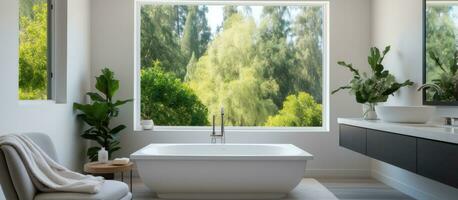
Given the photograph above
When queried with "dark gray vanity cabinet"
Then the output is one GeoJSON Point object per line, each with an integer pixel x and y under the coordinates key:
{"type": "Point", "coordinates": [392, 148]}
{"type": "Point", "coordinates": [438, 161]}
{"type": "Point", "coordinates": [353, 138]}
{"type": "Point", "coordinates": [429, 158]}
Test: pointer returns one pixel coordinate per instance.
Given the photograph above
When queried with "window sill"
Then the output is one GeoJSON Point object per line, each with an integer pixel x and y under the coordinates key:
{"type": "Point", "coordinates": [41, 102]}
{"type": "Point", "coordinates": [229, 130]}
{"type": "Point", "coordinates": [36, 102]}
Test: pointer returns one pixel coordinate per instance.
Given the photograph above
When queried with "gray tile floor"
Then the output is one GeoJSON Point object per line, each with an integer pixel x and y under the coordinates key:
{"type": "Point", "coordinates": [343, 189]}
{"type": "Point", "coordinates": [358, 189]}
{"type": "Point", "coordinates": [308, 189]}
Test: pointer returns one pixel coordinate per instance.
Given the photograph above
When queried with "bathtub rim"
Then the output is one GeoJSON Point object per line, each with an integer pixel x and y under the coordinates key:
{"type": "Point", "coordinates": [302, 155]}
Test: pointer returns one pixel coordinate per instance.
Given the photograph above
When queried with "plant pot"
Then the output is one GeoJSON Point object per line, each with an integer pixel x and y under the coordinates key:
{"type": "Point", "coordinates": [147, 124]}
{"type": "Point", "coordinates": [369, 111]}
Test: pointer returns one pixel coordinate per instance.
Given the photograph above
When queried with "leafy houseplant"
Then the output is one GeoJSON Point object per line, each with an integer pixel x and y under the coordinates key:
{"type": "Point", "coordinates": [99, 113]}
{"type": "Point", "coordinates": [373, 88]}
{"type": "Point", "coordinates": [147, 122]}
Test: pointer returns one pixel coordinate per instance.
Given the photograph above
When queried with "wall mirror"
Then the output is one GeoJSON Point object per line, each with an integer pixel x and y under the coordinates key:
{"type": "Point", "coordinates": [440, 54]}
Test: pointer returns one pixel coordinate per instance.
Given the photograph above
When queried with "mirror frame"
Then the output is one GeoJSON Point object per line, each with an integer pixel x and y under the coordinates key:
{"type": "Point", "coordinates": [426, 102]}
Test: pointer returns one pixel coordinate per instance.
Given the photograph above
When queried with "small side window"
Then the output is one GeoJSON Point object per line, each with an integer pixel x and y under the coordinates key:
{"type": "Point", "coordinates": [35, 52]}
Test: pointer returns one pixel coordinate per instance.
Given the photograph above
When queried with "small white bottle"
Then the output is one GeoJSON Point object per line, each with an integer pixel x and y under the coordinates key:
{"type": "Point", "coordinates": [103, 155]}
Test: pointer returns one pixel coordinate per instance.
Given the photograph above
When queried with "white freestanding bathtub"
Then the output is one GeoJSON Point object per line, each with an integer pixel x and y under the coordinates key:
{"type": "Point", "coordinates": [221, 171]}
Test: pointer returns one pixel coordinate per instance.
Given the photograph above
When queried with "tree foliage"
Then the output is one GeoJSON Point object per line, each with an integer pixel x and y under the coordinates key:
{"type": "Point", "coordinates": [299, 110]}
{"type": "Point", "coordinates": [275, 52]}
{"type": "Point", "coordinates": [248, 68]}
{"type": "Point", "coordinates": [26, 7]}
{"type": "Point", "coordinates": [228, 11]}
{"type": "Point", "coordinates": [442, 53]}
{"type": "Point", "coordinates": [161, 27]}
{"type": "Point", "coordinates": [171, 34]}
{"type": "Point", "coordinates": [291, 50]}
{"type": "Point", "coordinates": [440, 37]}
{"type": "Point", "coordinates": [229, 75]}
{"type": "Point", "coordinates": [196, 32]}
{"type": "Point", "coordinates": [33, 53]}
{"type": "Point", "coordinates": [308, 31]}
{"type": "Point", "coordinates": [168, 101]}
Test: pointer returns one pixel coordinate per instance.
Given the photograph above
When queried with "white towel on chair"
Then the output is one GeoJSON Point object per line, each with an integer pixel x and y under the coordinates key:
{"type": "Point", "coordinates": [48, 175]}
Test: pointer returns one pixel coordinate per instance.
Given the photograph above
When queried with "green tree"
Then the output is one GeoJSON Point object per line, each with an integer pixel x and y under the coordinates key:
{"type": "Point", "coordinates": [247, 69]}
{"type": "Point", "coordinates": [291, 49]}
{"type": "Point", "coordinates": [190, 68]}
{"type": "Point", "coordinates": [168, 101]}
{"type": "Point", "coordinates": [180, 18]}
{"type": "Point", "coordinates": [196, 32]}
{"type": "Point", "coordinates": [229, 75]}
{"type": "Point", "coordinates": [204, 30]}
{"type": "Point", "coordinates": [299, 110]}
{"type": "Point", "coordinates": [275, 52]}
{"type": "Point", "coordinates": [160, 39]}
{"type": "Point", "coordinates": [228, 11]}
{"type": "Point", "coordinates": [26, 7]}
{"type": "Point", "coordinates": [189, 41]}
{"type": "Point", "coordinates": [441, 53]}
{"type": "Point", "coordinates": [33, 54]}
{"type": "Point", "coordinates": [308, 34]}
{"type": "Point", "coordinates": [440, 38]}
{"type": "Point", "coordinates": [171, 34]}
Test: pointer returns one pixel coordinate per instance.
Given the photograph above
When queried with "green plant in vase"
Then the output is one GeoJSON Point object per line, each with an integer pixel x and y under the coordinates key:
{"type": "Point", "coordinates": [98, 114]}
{"type": "Point", "coordinates": [375, 87]}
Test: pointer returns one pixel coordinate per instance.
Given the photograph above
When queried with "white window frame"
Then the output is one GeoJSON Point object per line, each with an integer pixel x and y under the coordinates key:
{"type": "Point", "coordinates": [51, 51]}
{"type": "Point", "coordinates": [57, 59]}
{"type": "Point", "coordinates": [441, 2]}
{"type": "Point", "coordinates": [325, 70]}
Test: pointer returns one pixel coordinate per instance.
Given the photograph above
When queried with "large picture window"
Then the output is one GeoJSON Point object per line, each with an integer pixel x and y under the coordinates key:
{"type": "Point", "coordinates": [266, 64]}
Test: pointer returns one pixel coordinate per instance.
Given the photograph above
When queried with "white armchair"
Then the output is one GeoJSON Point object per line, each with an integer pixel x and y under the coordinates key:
{"type": "Point", "coordinates": [18, 185]}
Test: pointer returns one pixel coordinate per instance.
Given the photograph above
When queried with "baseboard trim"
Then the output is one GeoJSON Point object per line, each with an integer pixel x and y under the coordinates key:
{"type": "Point", "coordinates": [401, 186]}
{"type": "Point", "coordinates": [337, 173]}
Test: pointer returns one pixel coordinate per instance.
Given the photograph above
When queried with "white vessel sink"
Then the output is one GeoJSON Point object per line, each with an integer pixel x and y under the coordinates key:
{"type": "Point", "coordinates": [405, 114]}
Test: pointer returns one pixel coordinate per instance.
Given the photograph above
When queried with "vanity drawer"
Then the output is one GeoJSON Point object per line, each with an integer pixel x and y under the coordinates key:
{"type": "Point", "coordinates": [438, 161]}
{"type": "Point", "coordinates": [395, 149]}
{"type": "Point", "coordinates": [353, 138]}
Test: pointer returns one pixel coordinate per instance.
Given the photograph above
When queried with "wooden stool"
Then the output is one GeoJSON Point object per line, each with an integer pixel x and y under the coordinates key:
{"type": "Point", "coordinates": [103, 169]}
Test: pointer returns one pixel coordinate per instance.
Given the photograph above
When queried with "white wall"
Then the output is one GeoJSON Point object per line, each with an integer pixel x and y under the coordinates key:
{"type": "Point", "coordinates": [113, 46]}
{"type": "Point", "coordinates": [56, 120]}
{"type": "Point", "coordinates": [399, 23]}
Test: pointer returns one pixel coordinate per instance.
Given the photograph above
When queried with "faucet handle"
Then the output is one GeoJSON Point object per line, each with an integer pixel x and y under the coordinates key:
{"type": "Point", "coordinates": [451, 121]}
{"type": "Point", "coordinates": [213, 126]}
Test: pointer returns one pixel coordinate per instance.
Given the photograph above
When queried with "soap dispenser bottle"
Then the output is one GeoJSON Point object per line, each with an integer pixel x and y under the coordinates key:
{"type": "Point", "coordinates": [103, 155]}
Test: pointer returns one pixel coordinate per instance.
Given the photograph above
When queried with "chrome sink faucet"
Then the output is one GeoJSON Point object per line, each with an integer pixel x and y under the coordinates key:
{"type": "Point", "coordinates": [221, 136]}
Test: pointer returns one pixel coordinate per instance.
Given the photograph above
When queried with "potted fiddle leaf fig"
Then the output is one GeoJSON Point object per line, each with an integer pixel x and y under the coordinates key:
{"type": "Point", "coordinates": [375, 87]}
{"type": "Point", "coordinates": [99, 113]}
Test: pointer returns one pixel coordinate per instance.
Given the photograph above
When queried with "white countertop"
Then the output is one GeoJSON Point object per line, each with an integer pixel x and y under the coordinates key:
{"type": "Point", "coordinates": [428, 131]}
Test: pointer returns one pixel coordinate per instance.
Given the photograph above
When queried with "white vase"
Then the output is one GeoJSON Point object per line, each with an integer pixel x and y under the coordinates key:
{"type": "Point", "coordinates": [369, 111]}
{"type": "Point", "coordinates": [102, 155]}
{"type": "Point", "coordinates": [147, 124]}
